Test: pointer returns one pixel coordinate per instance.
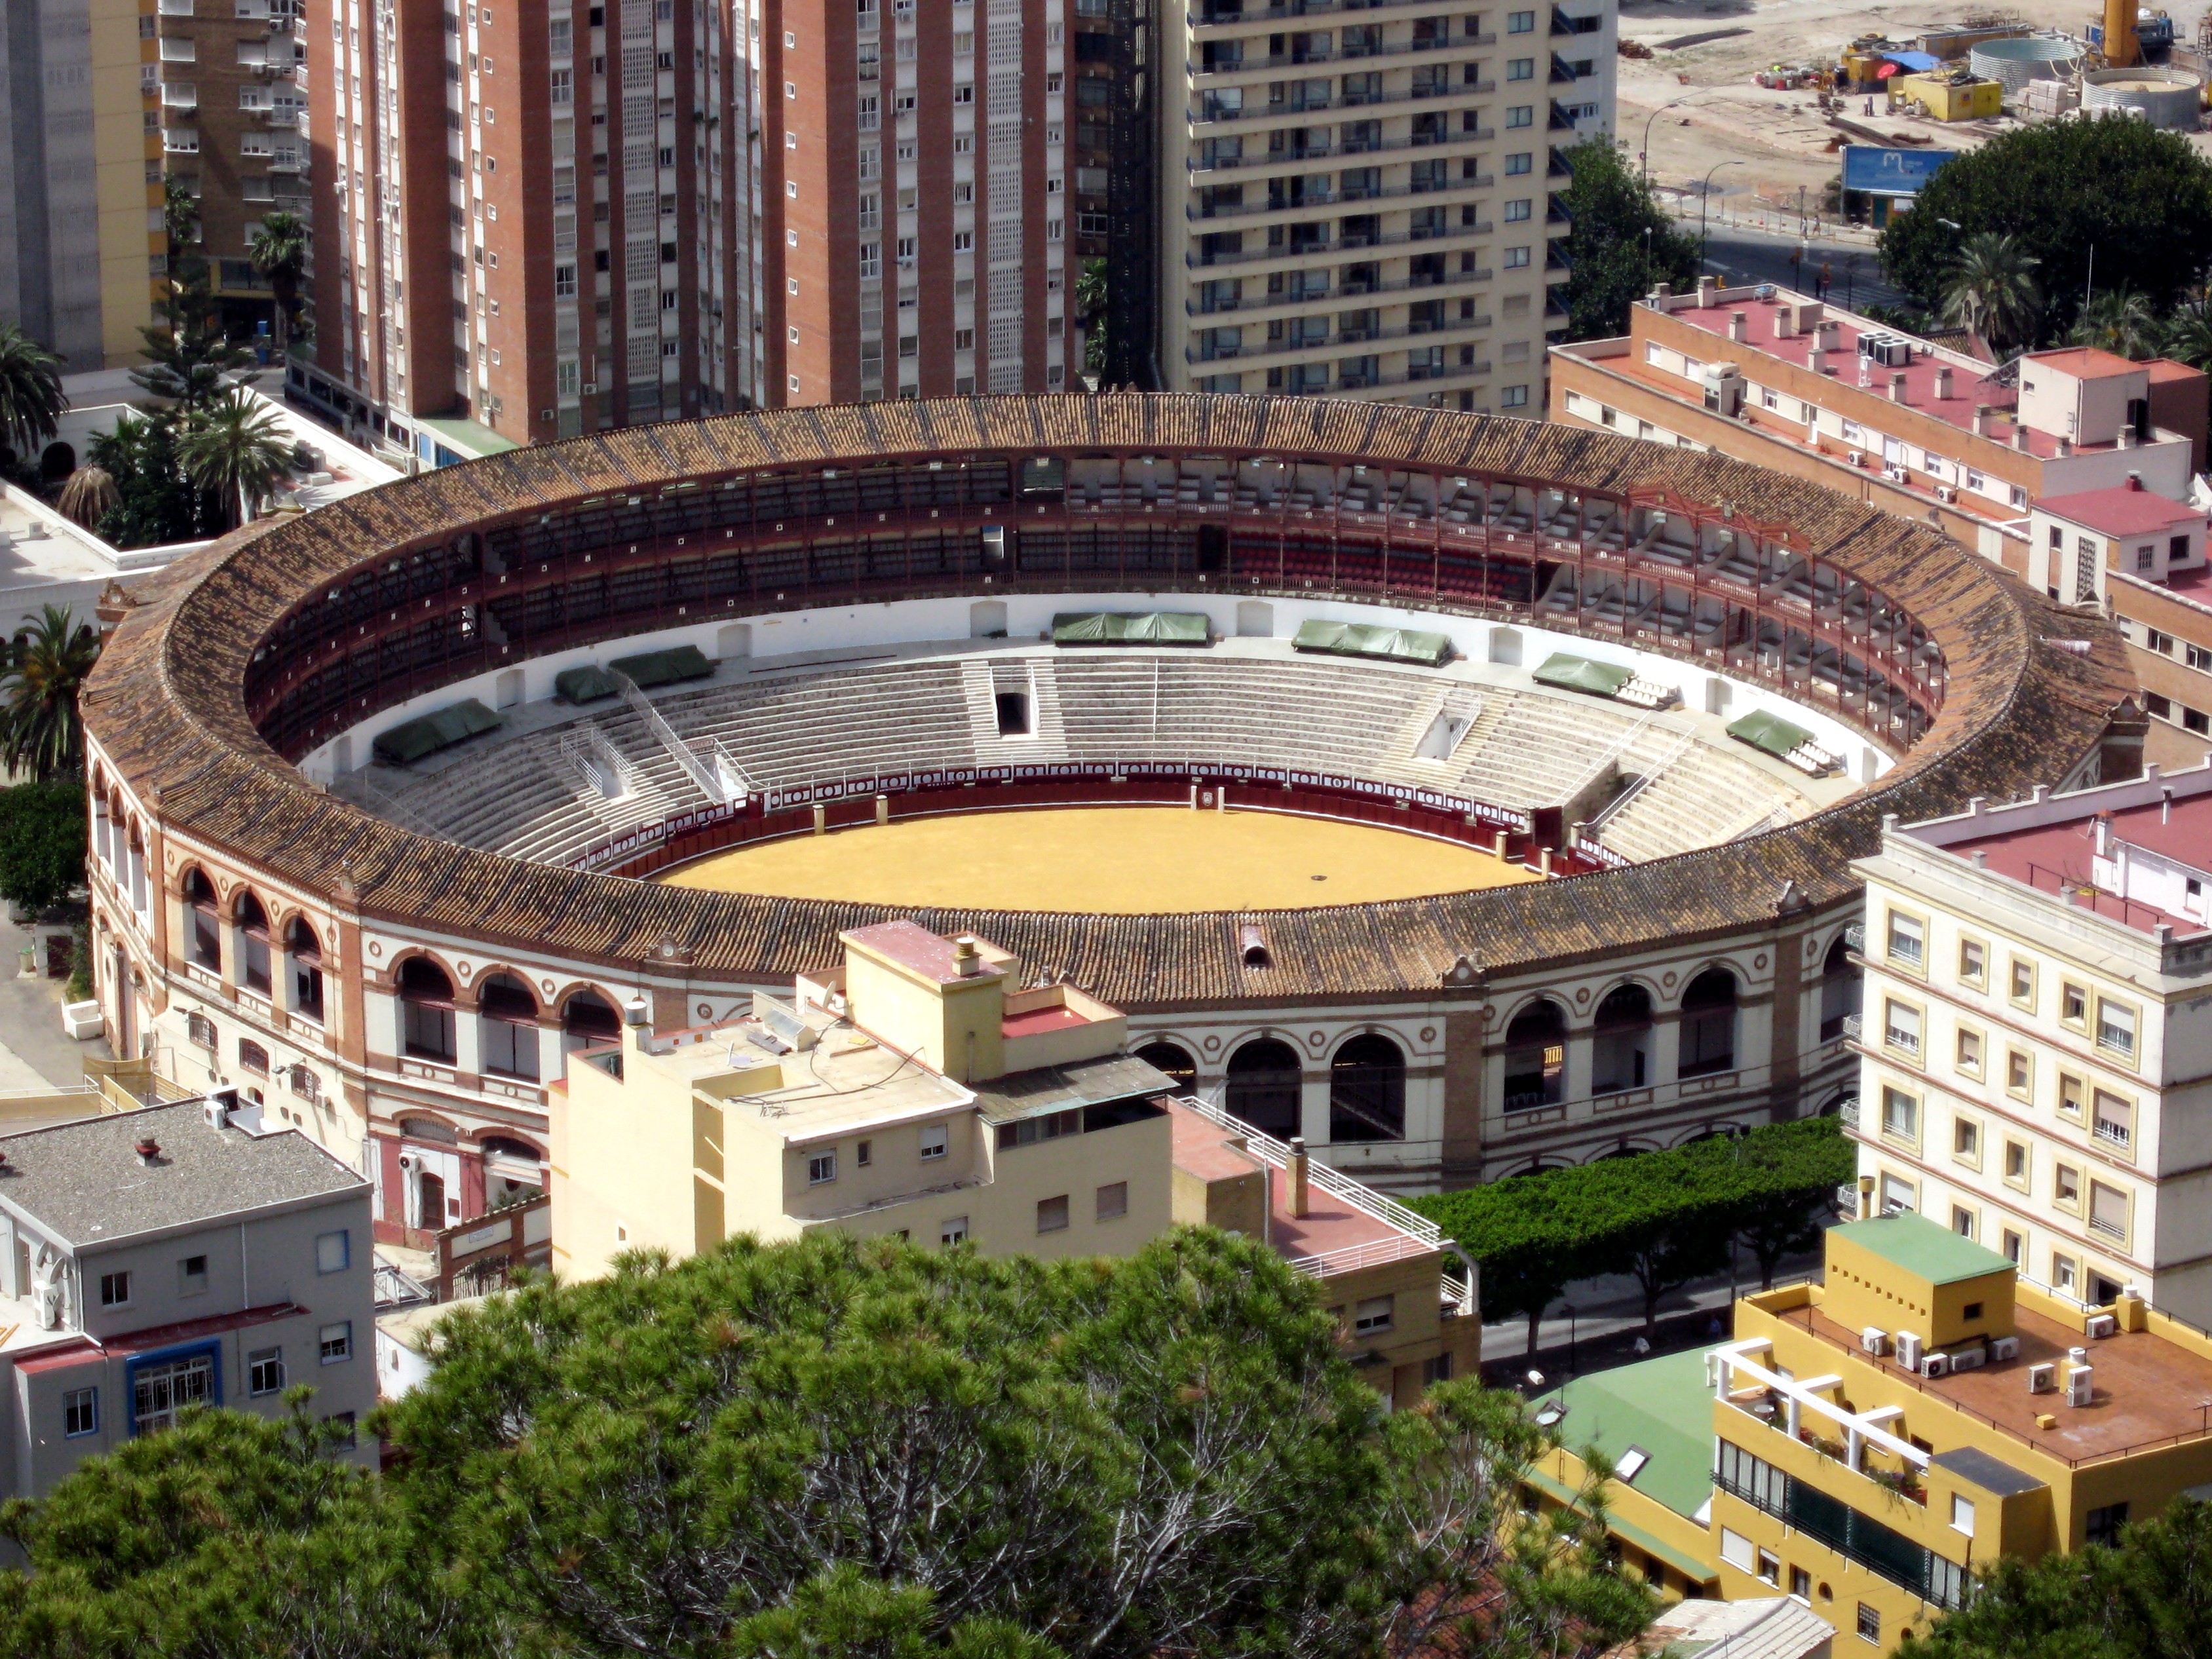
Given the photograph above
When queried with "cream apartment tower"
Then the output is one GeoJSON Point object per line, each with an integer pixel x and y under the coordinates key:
{"type": "Point", "coordinates": [1358, 199]}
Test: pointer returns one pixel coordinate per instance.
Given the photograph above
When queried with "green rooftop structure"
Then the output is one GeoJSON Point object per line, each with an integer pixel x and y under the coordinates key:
{"type": "Point", "coordinates": [441, 728]}
{"type": "Point", "coordinates": [587, 684]}
{"type": "Point", "coordinates": [1912, 1244]}
{"type": "Point", "coordinates": [1341, 639]}
{"type": "Point", "coordinates": [651, 668]}
{"type": "Point", "coordinates": [1599, 679]}
{"type": "Point", "coordinates": [1771, 732]}
{"type": "Point", "coordinates": [1131, 627]}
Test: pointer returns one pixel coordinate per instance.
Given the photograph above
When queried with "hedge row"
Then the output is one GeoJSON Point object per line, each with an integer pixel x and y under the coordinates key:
{"type": "Point", "coordinates": [1664, 1218]}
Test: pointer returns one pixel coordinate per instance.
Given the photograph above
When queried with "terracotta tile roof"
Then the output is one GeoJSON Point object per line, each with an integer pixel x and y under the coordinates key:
{"type": "Point", "coordinates": [2121, 510]}
{"type": "Point", "coordinates": [167, 707]}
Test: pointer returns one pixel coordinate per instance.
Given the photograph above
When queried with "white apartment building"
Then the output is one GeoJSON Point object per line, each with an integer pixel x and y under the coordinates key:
{"type": "Point", "coordinates": [2037, 1042]}
{"type": "Point", "coordinates": [1359, 199]}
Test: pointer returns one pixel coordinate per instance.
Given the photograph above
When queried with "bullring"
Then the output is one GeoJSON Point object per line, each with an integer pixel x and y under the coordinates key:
{"type": "Point", "coordinates": [398, 957]}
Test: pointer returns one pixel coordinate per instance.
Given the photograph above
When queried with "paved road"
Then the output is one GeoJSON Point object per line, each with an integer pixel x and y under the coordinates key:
{"type": "Point", "coordinates": [1743, 255]}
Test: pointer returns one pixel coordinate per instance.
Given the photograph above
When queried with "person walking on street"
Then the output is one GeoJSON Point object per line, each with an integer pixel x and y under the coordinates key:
{"type": "Point", "coordinates": [1821, 282]}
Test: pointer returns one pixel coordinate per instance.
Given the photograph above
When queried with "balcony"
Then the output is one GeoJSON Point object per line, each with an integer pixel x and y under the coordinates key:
{"type": "Point", "coordinates": [1341, 341]}
{"type": "Point", "coordinates": [180, 140]}
{"type": "Point", "coordinates": [1329, 54]}
{"type": "Point", "coordinates": [1217, 16]}
{"type": "Point", "coordinates": [1211, 114]}
{"type": "Point", "coordinates": [1313, 154]}
{"type": "Point", "coordinates": [1196, 211]}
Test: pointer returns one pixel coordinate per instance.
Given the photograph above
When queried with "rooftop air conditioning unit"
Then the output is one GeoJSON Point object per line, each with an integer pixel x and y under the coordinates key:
{"type": "Point", "coordinates": [2100, 1326]}
{"type": "Point", "coordinates": [1945, 493]}
{"type": "Point", "coordinates": [1874, 1339]}
{"type": "Point", "coordinates": [1908, 1350]}
{"type": "Point", "coordinates": [1969, 1359]}
{"type": "Point", "coordinates": [1892, 353]}
{"type": "Point", "coordinates": [2081, 1386]}
{"type": "Point", "coordinates": [1897, 474]}
{"type": "Point", "coordinates": [1870, 342]}
{"type": "Point", "coordinates": [1935, 1365]}
{"type": "Point", "coordinates": [2042, 1378]}
{"type": "Point", "coordinates": [2003, 1348]}
{"type": "Point", "coordinates": [1857, 457]}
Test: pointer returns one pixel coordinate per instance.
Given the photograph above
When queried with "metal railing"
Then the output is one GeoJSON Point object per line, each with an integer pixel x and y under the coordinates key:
{"type": "Point", "coordinates": [1356, 1193]}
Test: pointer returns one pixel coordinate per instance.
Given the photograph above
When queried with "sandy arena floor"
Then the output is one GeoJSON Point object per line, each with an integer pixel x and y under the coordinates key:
{"type": "Point", "coordinates": [1105, 860]}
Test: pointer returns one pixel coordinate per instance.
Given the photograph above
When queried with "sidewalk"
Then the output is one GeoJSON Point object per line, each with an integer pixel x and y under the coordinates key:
{"type": "Point", "coordinates": [33, 1051]}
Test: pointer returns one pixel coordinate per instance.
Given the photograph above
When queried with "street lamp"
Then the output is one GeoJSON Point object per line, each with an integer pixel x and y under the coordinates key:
{"type": "Point", "coordinates": [1644, 156]}
{"type": "Point", "coordinates": [1705, 205]}
{"type": "Point", "coordinates": [1570, 1311]}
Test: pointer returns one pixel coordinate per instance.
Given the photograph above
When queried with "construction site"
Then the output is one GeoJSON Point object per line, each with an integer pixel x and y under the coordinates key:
{"type": "Point", "coordinates": [1739, 110]}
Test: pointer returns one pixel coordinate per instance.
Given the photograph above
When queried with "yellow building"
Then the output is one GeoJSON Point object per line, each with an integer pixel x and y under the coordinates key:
{"type": "Point", "coordinates": [1947, 95]}
{"type": "Point", "coordinates": [1877, 1436]}
{"type": "Point", "coordinates": [916, 1090]}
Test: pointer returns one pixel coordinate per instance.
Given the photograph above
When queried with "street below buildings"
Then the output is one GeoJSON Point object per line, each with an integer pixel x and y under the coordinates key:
{"type": "Point", "coordinates": [1739, 254]}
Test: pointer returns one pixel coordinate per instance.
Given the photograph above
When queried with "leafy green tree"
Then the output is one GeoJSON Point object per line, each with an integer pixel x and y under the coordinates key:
{"type": "Point", "coordinates": [1623, 244]}
{"type": "Point", "coordinates": [2139, 198]}
{"type": "Point", "coordinates": [1091, 292]}
{"type": "Point", "coordinates": [279, 252]}
{"type": "Point", "coordinates": [1791, 1173]}
{"type": "Point", "coordinates": [31, 396]}
{"type": "Point", "coordinates": [42, 842]}
{"type": "Point", "coordinates": [2188, 337]}
{"type": "Point", "coordinates": [155, 503]}
{"type": "Point", "coordinates": [1991, 290]}
{"type": "Point", "coordinates": [190, 361]}
{"type": "Point", "coordinates": [844, 1614]}
{"type": "Point", "coordinates": [234, 449]}
{"type": "Point", "coordinates": [1528, 1235]}
{"type": "Point", "coordinates": [2121, 321]}
{"type": "Point", "coordinates": [227, 1536]}
{"type": "Point", "coordinates": [39, 731]}
{"type": "Point", "coordinates": [2148, 1596]}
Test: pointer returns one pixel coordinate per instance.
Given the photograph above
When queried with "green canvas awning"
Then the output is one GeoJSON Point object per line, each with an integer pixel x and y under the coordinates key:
{"type": "Point", "coordinates": [586, 684]}
{"type": "Point", "coordinates": [1771, 732]}
{"type": "Point", "coordinates": [1341, 639]}
{"type": "Point", "coordinates": [652, 668]}
{"type": "Point", "coordinates": [1131, 627]}
{"type": "Point", "coordinates": [1581, 674]}
{"type": "Point", "coordinates": [440, 729]}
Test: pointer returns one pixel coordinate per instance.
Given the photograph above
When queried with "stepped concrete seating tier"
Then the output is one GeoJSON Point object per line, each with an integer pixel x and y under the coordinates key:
{"type": "Point", "coordinates": [523, 795]}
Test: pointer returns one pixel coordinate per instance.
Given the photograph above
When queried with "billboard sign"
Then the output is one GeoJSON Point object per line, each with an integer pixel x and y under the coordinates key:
{"type": "Point", "coordinates": [1891, 172]}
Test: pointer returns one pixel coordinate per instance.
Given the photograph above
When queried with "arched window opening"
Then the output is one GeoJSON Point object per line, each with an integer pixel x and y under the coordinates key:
{"type": "Point", "coordinates": [1620, 1057]}
{"type": "Point", "coordinates": [1174, 1060]}
{"type": "Point", "coordinates": [509, 1020]}
{"type": "Point", "coordinates": [1536, 1056]}
{"type": "Point", "coordinates": [1264, 1080]}
{"type": "Point", "coordinates": [252, 1057]}
{"type": "Point", "coordinates": [1367, 1090]}
{"type": "Point", "coordinates": [426, 1011]}
{"type": "Point", "coordinates": [514, 1171]}
{"type": "Point", "coordinates": [254, 943]}
{"type": "Point", "coordinates": [588, 1021]}
{"type": "Point", "coordinates": [1709, 1024]}
{"type": "Point", "coordinates": [1839, 991]}
{"type": "Point", "coordinates": [202, 933]}
{"type": "Point", "coordinates": [307, 953]}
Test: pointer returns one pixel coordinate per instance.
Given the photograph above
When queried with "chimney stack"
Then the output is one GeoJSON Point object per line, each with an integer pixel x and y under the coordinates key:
{"type": "Point", "coordinates": [1985, 419]}
{"type": "Point", "coordinates": [1738, 326]}
{"type": "Point", "coordinates": [967, 960]}
{"type": "Point", "coordinates": [2019, 434]}
{"type": "Point", "coordinates": [1707, 287]}
{"type": "Point", "coordinates": [1897, 386]}
{"type": "Point", "coordinates": [2065, 445]}
{"type": "Point", "coordinates": [149, 1150]}
{"type": "Point", "coordinates": [2135, 481]}
{"type": "Point", "coordinates": [1785, 321]}
{"type": "Point", "coordinates": [1296, 1177]}
{"type": "Point", "coordinates": [1943, 380]}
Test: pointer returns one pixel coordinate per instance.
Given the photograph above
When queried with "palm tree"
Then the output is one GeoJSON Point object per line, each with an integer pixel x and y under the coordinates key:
{"type": "Point", "coordinates": [2187, 337]}
{"type": "Point", "coordinates": [2120, 321]}
{"type": "Point", "coordinates": [31, 395]}
{"type": "Point", "coordinates": [1991, 290]}
{"type": "Point", "coordinates": [39, 728]}
{"type": "Point", "coordinates": [279, 252]}
{"type": "Point", "coordinates": [89, 496]}
{"type": "Point", "coordinates": [235, 448]}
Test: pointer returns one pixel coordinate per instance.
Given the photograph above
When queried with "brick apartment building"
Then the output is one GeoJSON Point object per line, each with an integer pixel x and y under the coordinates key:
{"type": "Point", "coordinates": [1365, 206]}
{"type": "Point", "coordinates": [231, 132]}
{"type": "Point", "coordinates": [2074, 443]}
{"type": "Point", "coordinates": [529, 219]}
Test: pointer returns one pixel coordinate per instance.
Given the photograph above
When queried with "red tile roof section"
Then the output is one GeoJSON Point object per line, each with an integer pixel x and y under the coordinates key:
{"type": "Point", "coordinates": [2128, 510]}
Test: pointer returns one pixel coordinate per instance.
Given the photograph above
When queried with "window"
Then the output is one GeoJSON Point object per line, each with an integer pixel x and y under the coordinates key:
{"type": "Point", "coordinates": [933, 1141]}
{"type": "Point", "coordinates": [2023, 983]}
{"type": "Point", "coordinates": [1973, 962]}
{"type": "Point", "coordinates": [1870, 1622]}
{"type": "Point", "coordinates": [2108, 1211]}
{"type": "Point", "coordinates": [2020, 1073]}
{"type": "Point", "coordinates": [335, 1342]}
{"type": "Point", "coordinates": [2015, 1162]}
{"type": "Point", "coordinates": [252, 1057]}
{"type": "Point", "coordinates": [1801, 1584]}
{"type": "Point", "coordinates": [1969, 1051]}
{"type": "Point", "coordinates": [265, 1371]}
{"type": "Point", "coordinates": [1770, 1568]}
{"type": "Point", "coordinates": [821, 1169]}
{"type": "Point", "coordinates": [1520, 23]}
{"type": "Point", "coordinates": [1052, 1214]}
{"type": "Point", "coordinates": [1521, 115]}
{"type": "Point", "coordinates": [2073, 1005]}
{"type": "Point", "coordinates": [1521, 68]}
{"type": "Point", "coordinates": [1030, 1130]}
{"type": "Point", "coordinates": [333, 1251]}
{"type": "Point", "coordinates": [115, 1290]}
{"type": "Point", "coordinates": [1900, 1114]}
{"type": "Point", "coordinates": [1114, 1201]}
{"type": "Point", "coordinates": [1907, 936]}
{"type": "Point", "coordinates": [1965, 1138]}
{"type": "Point", "coordinates": [864, 1154]}
{"type": "Point", "coordinates": [1962, 1221]}
{"type": "Point", "coordinates": [1436, 1370]}
{"type": "Point", "coordinates": [2066, 1187]}
{"type": "Point", "coordinates": [2113, 1118]}
{"type": "Point", "coordinates": [426, 998]}
{"type": "Point", "coordinates": [2116, 1029]}
{"type": "Point", "coordinates": [2102, 1525]}
{"type": "Point", "coordinates": [2072, 1093]}
{"type": "Point", "coordinates": [1901, 1027]}
{"type": "Point", "coordinates": [2062, 1273]}
{"type": "Point", "coordinates": [1517, 211]}
{"type": "Point", "coordinates": [1517, 166]}
{"type": "Point", "coordinates": [79, 1412]}
{"type": "Point", "coordinates": [191, 1275]}
{"type": "Point", "coordinates": [1515, 258]}
{"type": "Point", "coordinates": [953, 1232]}
{"type": "Point", "coordinates": [1376, 1313]}
{"type": "Point", "coordinates": [2016, 1248]}
{"type": "Point", "coordinates": [159, 1393]}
